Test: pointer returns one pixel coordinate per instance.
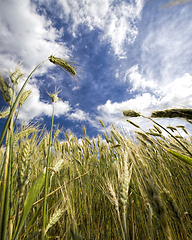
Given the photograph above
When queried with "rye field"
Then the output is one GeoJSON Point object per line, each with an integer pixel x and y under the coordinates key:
{"type": "Point", "coordinates": [114, 186]}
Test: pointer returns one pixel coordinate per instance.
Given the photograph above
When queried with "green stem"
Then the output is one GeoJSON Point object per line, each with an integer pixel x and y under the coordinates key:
{"type": "Point", "coordinates": [5, 201]}
{"type": "Point", "coordinates": [3, 188]}
{"type": "Point", "coordinates": [7, 205]}
{"type": "Point", "coordinates": [15, 103]}
{"type": "Point", "coordinates": [46, 179]}
{"type": "Point", "coordinates": [11, 179]}
{"type": "Point", "coordinates": [124, 222]}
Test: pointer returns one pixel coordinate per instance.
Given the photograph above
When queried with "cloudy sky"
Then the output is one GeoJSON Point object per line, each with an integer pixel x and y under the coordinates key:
{"type": "Point", "coordinates": [131, 54]}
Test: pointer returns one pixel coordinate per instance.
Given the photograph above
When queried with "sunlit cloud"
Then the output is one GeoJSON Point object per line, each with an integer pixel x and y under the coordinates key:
{"type": "Point", "coordinates": [117, 22]}
{"type": "Point", "coordinates": [78, 115]}
{"type": "Point", "coordinates": [156, 74]}
{"type": "Point", "coordinates": [137, 80]}
{"type": "Point", "coordinates": [25, 35]}
{"type": "Point", "coordinates": [175, 94]}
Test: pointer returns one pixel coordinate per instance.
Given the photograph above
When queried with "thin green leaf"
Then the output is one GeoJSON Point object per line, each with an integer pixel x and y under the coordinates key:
{"type": "Point", "coordinates": [33, 235]}
{"type": "Point", "coordinates": [30, 199]}
{"type": "Point", "coordinates": [182, 157]}
{"type": "Point", "coordinates": [34, 218]}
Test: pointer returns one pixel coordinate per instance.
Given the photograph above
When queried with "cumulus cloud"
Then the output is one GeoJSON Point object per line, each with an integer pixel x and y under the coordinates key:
{"type": "Point", "coordinates": [35, 108]}
{"type": "Point", "coordinates": [164, 67]}
{"type": "Point", "coordinates": [25, 35]}
{"type": "Point", "coordinates": [139, 103]}
{"type": "Point", "coordinates": [78, 115]}
{"type": "Point", "coordinates": [116, 21]}
{"type": "Point", "coordinates": [137, 80]}
{"type": "Point", "coordinates": [112, 113]}
{"type": "Point", "coordinates": [176, 94]}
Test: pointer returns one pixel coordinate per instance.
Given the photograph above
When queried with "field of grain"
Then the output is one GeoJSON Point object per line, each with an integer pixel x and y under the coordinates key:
{"type": "Point", "coordinates": [55, 186]}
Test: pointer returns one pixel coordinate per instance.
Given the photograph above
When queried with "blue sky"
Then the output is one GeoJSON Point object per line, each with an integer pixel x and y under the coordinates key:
{"type": "Point", "coordinates": [132, 55]}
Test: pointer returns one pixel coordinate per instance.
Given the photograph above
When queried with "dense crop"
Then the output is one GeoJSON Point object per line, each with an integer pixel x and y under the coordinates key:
{"type": "Point", "coordinates": [113, 186]}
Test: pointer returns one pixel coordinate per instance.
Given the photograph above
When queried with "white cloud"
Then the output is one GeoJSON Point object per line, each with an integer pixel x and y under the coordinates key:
{"type": "Point", "coordinates": [139, 103]}
{"type": "Point", "coordinates": [81, 116]}
{"type": "Point", "coordinates": [112, 113]}
{"type": "Point", "coordinates": [117, 21]}
{"type": "Point", "coordinates": [167, 48]}
{"type": "Point", "coordinates": [137, 80]}
{"type": "Point", "coordinates": [61, 108]}
{"type": "Point", "coordinates": [78, 115]}
{"type": "Point", "coordinates": [25, 35]}
{"type": "Point", "coordinates": [35, 108]}
{"type": "Point", "coordinates": [76, 88]}
{"type": "Point", "coordinates": [176, 94]}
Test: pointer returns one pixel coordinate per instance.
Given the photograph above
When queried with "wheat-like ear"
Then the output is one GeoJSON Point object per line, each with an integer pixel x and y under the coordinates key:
{"type": "Point", "coordinates": [25, 131]}
{"type": "Point", "coordinates": [106, 138]}
{"type": "Point", "coordinates": [157, 128]}
{"type": "Point", "coordinates": [57, 131]}
{"type": "Point", "coordinates": [6, 90]}
{"type": "Point", "coordinates": [24, 97]}
{"type": "Point", "coordinates": [24, 170]}
{"type": "Point", "coordinates": [141, 140]}
{"type": "Point", "coordinates": [116, 136]}
{"type": "Point", "coordinates": [88, 141]}
{"type": "Point", "coordinates": [172, 128]}
{"type": "Point", "coordinates": [4, 113]}
{"type": "Point", "coordinates": [154, 134]}
{"type": "Point", "coordinates": [131, 113]}
{"type": "Point", "coordinates": [183, 128]}
{"type": "Point", "coordinates": [54, 218]}
{"type": "Point", "coordinates": [173, 113]}
{"type": "Point", "coordinates": [63, 65]}
{"type": "Point", "coordinates": [16, 75]}
{"type": "Point", "coordinates": [101, 122]}
{"type": "Point", "coordinates": [134, 124]}
{"type": "Point", "coordinates": [54, 96]}
{"type": "Point", "coordinates": [126, 177]}
{"type": "Point", "coordinates": [145, 137]}
{"type": "Point", "coordinates": [109, 191]}
{"type": "Point", "coordinates": [112, 195]}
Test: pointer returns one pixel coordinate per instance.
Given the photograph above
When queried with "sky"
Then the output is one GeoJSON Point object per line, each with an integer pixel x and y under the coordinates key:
{"type": "Point", "coordinates": [131, 54]}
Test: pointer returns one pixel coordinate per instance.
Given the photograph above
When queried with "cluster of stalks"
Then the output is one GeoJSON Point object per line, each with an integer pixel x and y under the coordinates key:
{"type": "Point", "coordinates": [12, 218]}
{"type": "Point", "coordinates": [110, 187]}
